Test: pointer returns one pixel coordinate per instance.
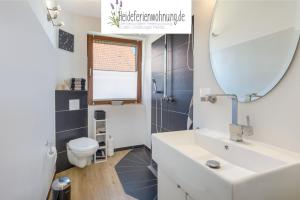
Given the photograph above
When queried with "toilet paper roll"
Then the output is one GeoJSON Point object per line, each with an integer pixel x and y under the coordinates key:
{"type": "Point", "coordinates": [110, 146]}
{"type": "Point", "coordinates": [52, 152]}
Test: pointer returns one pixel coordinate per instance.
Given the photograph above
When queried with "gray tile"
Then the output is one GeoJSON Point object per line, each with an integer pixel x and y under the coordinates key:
{"type": "Point", "coordinates": [180, 79]}
{"type": "Point", "coordinates": [141, 184]}
{"type": "Point", "coordinates": [129, 163]}
{"type": "Point", "coordinates": [179, 83]}
{"type": "Point", "coordinates": [157, 64]}
{"type": "Point", "coordinates": [164, 116]}
{"type": "Point", "coordinates": [133, 176]}
{"type": "Point", "coordinates": [153, 128]}
{"type": "Point", "coordinates": [71, 120]}
{"type": "Point", "coordinates": [154, 121]}
{"type": "Point", "coordinates": [157, 101]}
{"type": "Point", "coordinates": [129, 168]}
{"type": "Point", "coordinates": [131, 158]}
{"type": "Point", "coordinates": [138, 181]}
{"type": "Point", "coordinates": [158, 47]}
{"type": "Point", "coordinates": [146, 193]}
{"type": "Point", "coordinates": [159, 79]}
{"type": "Point", "coordinates": [160, 129]}
{"type": "Point", "coordinates": [62, 99]}
{"type": "Point", "coordinates": [130, 176]}
{"type": "Point", "coordinates": [179, 57]}
{"type": "Point", "coordinates": [142, 153]}
{"type": "Point", "coordinates": [62, 162]}
{"type": "Point", "coordinates": [177, 121]}
{"type": "Point", "coordinates": [62, 138]}
{"type": "Point", "coordinates": [136, 157]}
{"type": "Point", "coordinates": [182, 101]}
{"type": "Point", "coordinates": [179, 40]}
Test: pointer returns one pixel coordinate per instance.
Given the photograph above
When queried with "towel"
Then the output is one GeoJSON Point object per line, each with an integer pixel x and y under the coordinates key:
{"type": "Point", "coordinates": [78, 88]}
{"type": "Point", "coordinates": [78, 84]}
{"type": "Point", "coordinates": [78, 80]}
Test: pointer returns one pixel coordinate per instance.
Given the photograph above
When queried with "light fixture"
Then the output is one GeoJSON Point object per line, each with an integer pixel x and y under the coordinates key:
{"type": "Point", "coordinates": [59, 24]}
{"type": "Point", "coordinates": [55, 8]}
{"type": "Point", "coordinates": [53, 15]}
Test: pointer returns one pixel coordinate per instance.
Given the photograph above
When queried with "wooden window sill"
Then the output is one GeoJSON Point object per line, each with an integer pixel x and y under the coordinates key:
{"type": "Point", "coordinates": [125, 102]}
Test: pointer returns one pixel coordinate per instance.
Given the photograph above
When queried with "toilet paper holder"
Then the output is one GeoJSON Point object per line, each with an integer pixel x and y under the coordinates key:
{"type": "Point", "coordinates": [50, 145]}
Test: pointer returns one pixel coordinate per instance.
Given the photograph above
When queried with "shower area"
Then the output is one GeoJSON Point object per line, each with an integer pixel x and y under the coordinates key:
{"type": "Point", "coordinates": [172, 83]}
{"type": "Point", "coordinates": [172, 93]}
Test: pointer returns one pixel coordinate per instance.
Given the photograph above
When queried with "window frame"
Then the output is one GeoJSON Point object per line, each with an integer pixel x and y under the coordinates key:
{"type": "Point", "coordinates": [137, 43]}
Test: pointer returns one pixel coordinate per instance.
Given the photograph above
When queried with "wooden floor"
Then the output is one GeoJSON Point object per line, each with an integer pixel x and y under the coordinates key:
{"type": "Point", "coordinates": [97, 181]}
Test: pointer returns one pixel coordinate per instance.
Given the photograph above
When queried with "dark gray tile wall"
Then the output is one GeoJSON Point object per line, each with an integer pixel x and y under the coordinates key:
{"type": "Point", "coordinates": [62, 138]}
{"type": "Point", "coordinates": [179, 83]}
{"type": "Point", "coordinates": [69, 124]}
{"type": "Point", "coordinates": [67, 120]}
{"type": "Point", "coordinates": [62, 99]}
{"type": "Point", "coordinates": [62, 162]}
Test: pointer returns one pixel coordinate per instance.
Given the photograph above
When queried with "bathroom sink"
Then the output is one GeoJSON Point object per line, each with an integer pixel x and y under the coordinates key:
{"type": "Point", "coordinates": [248, 171]}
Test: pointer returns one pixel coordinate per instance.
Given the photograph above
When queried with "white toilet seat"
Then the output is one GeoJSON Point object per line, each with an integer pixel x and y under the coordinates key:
{"type": "Point", "coordinates": [83, 145]}
{"type": "Point", "coordinates": [81, 150]}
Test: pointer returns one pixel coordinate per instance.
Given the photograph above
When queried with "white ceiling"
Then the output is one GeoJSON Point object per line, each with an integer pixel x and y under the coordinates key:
{"type": "Point", "coordinates": [90, 8]}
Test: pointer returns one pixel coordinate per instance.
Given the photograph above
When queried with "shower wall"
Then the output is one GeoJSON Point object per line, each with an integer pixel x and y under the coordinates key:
{"type": "Point", "coordinates": [171, 115]}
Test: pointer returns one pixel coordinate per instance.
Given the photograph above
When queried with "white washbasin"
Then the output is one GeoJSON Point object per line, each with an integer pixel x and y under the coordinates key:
{"type": "Point", "coordinates": [249, 171]}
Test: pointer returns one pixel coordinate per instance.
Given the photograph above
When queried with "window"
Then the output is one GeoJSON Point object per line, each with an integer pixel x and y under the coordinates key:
{"type": "Point", "coordinates": [114, 70]}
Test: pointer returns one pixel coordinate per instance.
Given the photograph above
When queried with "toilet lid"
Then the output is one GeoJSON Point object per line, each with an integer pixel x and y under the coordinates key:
{"type": "Point", "coordinates": [82, 144]}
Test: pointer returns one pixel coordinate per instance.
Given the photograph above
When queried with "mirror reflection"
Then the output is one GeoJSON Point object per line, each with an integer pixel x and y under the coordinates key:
{"type": "Point", "coordinates": [252, 43]}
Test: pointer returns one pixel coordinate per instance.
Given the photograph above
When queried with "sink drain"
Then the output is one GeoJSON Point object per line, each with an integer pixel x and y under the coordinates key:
{"type": "Point", "coordinates": [213, 164]}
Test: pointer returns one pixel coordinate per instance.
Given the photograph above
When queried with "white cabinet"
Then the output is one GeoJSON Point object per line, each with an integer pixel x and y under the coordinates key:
{"type": "Point", "coordinates": [168, 189]}
{"type": "Point", "coordinates": [100, 135]}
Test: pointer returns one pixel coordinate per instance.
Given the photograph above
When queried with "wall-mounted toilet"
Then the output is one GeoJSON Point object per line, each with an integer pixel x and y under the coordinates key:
{"type": "Point", "coordinates": [81, 150]}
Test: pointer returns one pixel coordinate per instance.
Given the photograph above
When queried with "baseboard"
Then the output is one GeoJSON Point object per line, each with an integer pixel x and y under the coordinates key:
{"type": "Point", "coordinates": [147, 148]}
{"type": "Point", "coordinates": [132, 147]}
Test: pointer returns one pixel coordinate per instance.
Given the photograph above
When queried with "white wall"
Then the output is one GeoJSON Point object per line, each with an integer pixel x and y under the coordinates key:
{"type": "Point", "coordinates": [275, 117]}
{"type": "Point", "coordinates": [126, 124]}
{"type": "Point", "coordinates": [75, 64]}
{"type": "Point", "coordinates": [27, 78]}
{"type": "Point", "coordinates": [253, 21]}
{"type": "Point", "coordinates": [39, 8]}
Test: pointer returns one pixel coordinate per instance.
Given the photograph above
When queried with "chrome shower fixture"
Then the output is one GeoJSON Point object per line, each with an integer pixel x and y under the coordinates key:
{"type": "Point", "coordinates": [155, 90]}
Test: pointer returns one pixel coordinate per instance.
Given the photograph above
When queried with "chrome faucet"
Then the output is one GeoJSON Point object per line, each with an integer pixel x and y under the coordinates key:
{"type": "Point", "coordinates": [236, 130]}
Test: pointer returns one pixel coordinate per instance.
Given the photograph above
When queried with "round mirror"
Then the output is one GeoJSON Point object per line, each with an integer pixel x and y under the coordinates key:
{"type": "Point", "coordinates": [252, 43]}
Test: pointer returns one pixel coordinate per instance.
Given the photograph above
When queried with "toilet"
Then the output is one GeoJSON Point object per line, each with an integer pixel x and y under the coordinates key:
{"type": "Point", "coordinates": [81, 150]}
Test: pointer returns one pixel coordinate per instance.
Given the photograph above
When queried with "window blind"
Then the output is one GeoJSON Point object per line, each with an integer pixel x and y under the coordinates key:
{"type": "Point", "coordinates": [110, 56]}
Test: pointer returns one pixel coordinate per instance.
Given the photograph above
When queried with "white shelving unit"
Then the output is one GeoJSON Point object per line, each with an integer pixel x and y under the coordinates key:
{"type": "Point", "coordinates": [101, 137]}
